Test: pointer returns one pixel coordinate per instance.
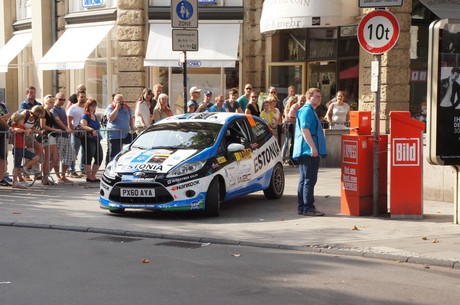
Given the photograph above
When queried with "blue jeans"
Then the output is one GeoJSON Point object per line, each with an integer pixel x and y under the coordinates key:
{"type": "Point", "coordinates": [308, 167]}
{"type": "Point", "coordinates": [76, 144]}
{"type": "Point", "coordinates": [115, 146]}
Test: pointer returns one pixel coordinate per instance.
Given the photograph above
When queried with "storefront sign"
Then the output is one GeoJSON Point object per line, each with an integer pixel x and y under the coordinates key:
{"type": "Point", "coordinates": [282, 14]}
{"type": "Point", "coordinates": [191, 63]}
{"type": "Point", "coordinates": [92, 3]}
{"type": "Point", "coordinates": [380, 3]}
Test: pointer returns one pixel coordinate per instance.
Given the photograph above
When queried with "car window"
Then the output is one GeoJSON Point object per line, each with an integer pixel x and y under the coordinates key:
{"type": "Point", "coordinates": [237, 132]}
{"type": "Point", "coordinates": [260, 130]}
{"type": "Point", "coordinates": [189, 135]}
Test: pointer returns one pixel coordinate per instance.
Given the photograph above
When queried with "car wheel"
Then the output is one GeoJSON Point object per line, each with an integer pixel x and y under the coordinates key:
{"type": "Point", "coordinates": [117, 211]}
{"type": "Point", "coordinates": [276, 188]}
{"type": "Point", "coordinates": [212, 201]}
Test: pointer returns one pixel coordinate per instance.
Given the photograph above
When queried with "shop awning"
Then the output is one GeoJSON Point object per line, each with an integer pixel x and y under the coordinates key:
{"type": "Point", "coordinates": [12, 48]}
{"type": "Point", "coordinates": [217, 46]}
{"type": "Point", "coordinates": [283, 15]}
{"type": "Point", "coordinates": [74, 46]}
{"type": "Point", "coordinates": [352, 72]}
{"type": "Point", "coordinates": [443, 9]}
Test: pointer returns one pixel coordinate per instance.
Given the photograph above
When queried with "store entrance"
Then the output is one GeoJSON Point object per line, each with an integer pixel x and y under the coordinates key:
{"type": "Point", "coordinates": [322, 75]}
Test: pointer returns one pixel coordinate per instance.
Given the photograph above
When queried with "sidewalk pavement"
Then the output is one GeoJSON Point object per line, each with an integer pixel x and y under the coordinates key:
{"type": "Point", "coordinates": [251, 221]}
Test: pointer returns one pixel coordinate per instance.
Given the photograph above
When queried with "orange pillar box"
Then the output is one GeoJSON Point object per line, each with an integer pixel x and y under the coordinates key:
{"type": "Point", "coordinates": [357, 175]}
{"type": "Point", "coordinates": [406, 164]}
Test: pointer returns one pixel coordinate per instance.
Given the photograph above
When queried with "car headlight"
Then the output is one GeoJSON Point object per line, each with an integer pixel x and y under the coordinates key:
{"type": "Point", "coordinates": [110, 170]}
{"type": "Point", "coordinates": [186, 169]}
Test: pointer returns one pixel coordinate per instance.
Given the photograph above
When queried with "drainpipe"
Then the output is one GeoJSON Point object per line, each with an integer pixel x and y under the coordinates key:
{"type": "Point", "coordinates": [54, 78]}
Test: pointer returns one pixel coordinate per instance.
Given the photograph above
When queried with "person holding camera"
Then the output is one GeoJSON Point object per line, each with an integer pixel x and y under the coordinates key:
{"type": "Point", "coordinates": [119, 124]}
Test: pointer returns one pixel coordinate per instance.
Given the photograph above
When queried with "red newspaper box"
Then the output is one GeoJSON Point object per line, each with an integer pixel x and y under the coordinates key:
{"type": "Point", "coordinates": [406, 192]}
{"type": "Point", "coordinates": [357, 175]}
{"type": "Point", "coordinates": [360, 122]}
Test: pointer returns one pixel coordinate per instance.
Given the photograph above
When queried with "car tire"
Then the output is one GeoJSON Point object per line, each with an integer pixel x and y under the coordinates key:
{"type": "Point", "coordinates": [212, 201]}
{"type": "Point", "coordinates": [117, 211]}
{"type": "Point", "coordinates": [276, 188]}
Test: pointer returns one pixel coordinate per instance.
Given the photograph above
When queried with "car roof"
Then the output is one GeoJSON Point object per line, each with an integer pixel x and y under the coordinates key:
{"type": "Point", "coordinates": [209, 117]}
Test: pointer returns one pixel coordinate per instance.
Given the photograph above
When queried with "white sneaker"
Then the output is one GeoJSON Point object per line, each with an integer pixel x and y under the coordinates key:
{"type": "Point", "coordinates": [23, 184]}
{"type": "Point", "coordinates": [18, 185]}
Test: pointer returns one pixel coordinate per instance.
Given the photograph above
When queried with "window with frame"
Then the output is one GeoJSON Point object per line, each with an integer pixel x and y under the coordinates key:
{"type": "Point", "coordinates": [23, 9]}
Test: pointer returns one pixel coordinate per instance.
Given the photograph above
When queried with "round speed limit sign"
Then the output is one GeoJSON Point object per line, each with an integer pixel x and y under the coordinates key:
{"type": "Point", "coordinates": [378, 31]}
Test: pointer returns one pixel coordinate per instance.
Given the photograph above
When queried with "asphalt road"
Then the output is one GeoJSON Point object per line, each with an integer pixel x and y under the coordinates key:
{"type": "Point", "coordinates": [62, 267]}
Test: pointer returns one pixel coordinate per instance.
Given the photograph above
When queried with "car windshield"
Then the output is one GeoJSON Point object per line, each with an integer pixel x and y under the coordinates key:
{"type": "Point", "coordinates": [183, 135]}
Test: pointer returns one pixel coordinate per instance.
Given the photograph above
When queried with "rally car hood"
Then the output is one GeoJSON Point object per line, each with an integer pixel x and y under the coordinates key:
{"type": "Point", "coordinates": [151, 160]}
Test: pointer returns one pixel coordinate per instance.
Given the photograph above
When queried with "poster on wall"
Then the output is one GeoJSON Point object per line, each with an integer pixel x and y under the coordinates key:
{"type": "Point", "coordinates": [446, 104]}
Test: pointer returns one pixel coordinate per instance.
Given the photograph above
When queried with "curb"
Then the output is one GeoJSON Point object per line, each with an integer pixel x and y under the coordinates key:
{"type": "Point", "coordinates": [314, 249]}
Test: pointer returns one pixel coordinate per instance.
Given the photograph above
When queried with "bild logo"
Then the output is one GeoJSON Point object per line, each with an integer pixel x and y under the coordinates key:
{"type": "Point", "coordinates": [406, 151]}
{"type": "Point", "coordinates": [350, 152]}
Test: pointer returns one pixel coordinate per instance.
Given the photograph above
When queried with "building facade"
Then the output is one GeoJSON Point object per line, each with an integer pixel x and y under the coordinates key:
{"type": "Point", "coordinates": [124, 46]}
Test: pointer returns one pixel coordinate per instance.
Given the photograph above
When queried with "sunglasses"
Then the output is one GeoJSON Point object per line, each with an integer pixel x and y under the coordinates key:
{"type": "Point", "coordinates": [248, 88]}
{"type": "Point", "coordinates": [62, 99]}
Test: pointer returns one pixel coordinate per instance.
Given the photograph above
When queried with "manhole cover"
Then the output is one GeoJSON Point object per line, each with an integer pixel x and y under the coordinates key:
{"type": "Point", "coordinates": [180, 244]}
{"type": "Point", "coordinates": [114, 239]}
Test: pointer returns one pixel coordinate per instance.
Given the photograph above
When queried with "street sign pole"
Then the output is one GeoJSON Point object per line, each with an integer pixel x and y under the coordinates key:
{"type": "Point", "coordinates": [184, 81]}
{"type": "Point", "coordinates": [378, 32]}
{"type": "Point", "coordinates": [376, 168]}
{"type": "Point", "coordinates": [184, 15]}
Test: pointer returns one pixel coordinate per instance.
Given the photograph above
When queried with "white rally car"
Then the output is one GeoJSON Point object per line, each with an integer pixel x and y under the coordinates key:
{"type": "Point", "coordinates": [193, 162]}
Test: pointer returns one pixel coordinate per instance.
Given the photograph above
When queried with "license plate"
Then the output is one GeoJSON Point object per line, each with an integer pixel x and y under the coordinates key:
{"type": "Point", "coordinates": [127, 192]}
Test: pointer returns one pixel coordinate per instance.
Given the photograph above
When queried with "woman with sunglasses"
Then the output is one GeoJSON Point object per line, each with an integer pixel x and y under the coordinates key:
{"type": "Point", "coordinates": [51, 156]}
{"type": "Point", "coordinates": [253, 107]}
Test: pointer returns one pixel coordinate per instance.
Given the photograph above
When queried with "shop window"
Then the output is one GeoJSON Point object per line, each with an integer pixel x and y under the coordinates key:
{"type": "Point", "coordinates": [216, 80]}
{"type": "Point", "coordinates": [293, 45]}
{"type": "Point", "coordinates": [322, 75]}
{"type": "Point", "coordinates": [283, 75]}
{"type": "Point", "coordinates": [100, 73]}
{"type": "Point", "coordinates": [322, 43]}
{"type": "Point", "coordinates": [348, 81]}
{"type": "Point", "coordinates": [348, 43]}
{"type": "Point", "coordinates": [23, 9]}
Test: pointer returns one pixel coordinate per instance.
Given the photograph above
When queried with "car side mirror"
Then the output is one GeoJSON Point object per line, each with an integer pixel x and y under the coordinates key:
{"type": "Point", "coordinates": [234, 147]}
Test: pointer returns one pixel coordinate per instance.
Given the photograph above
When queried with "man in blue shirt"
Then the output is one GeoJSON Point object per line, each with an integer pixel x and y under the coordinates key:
{"type": "Point", "coordinates": [120, 122]}
{"type": "Point", "coordinates": [30, 99]}
{"type": "Point", "coordinates": [309, 146]}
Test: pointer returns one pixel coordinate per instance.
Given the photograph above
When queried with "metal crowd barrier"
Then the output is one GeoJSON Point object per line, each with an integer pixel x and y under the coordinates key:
{"type": "Point", "coordinates": [43, 139]}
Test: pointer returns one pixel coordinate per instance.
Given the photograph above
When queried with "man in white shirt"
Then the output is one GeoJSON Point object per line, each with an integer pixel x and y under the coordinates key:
{"type": "Point", "coordinates": [74, 114]}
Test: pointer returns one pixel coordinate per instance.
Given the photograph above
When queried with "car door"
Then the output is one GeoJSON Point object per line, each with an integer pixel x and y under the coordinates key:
{"type": "Point", "coordinates": [239, 171]}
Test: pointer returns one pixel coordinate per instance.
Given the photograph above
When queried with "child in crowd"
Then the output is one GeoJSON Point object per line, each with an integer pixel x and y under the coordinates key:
{"type": "Point", "coordinates": [20, 152]}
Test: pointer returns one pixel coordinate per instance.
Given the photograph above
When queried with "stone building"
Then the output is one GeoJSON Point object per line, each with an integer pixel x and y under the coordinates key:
{"type": "Point", "coordinates": [125, 46]}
